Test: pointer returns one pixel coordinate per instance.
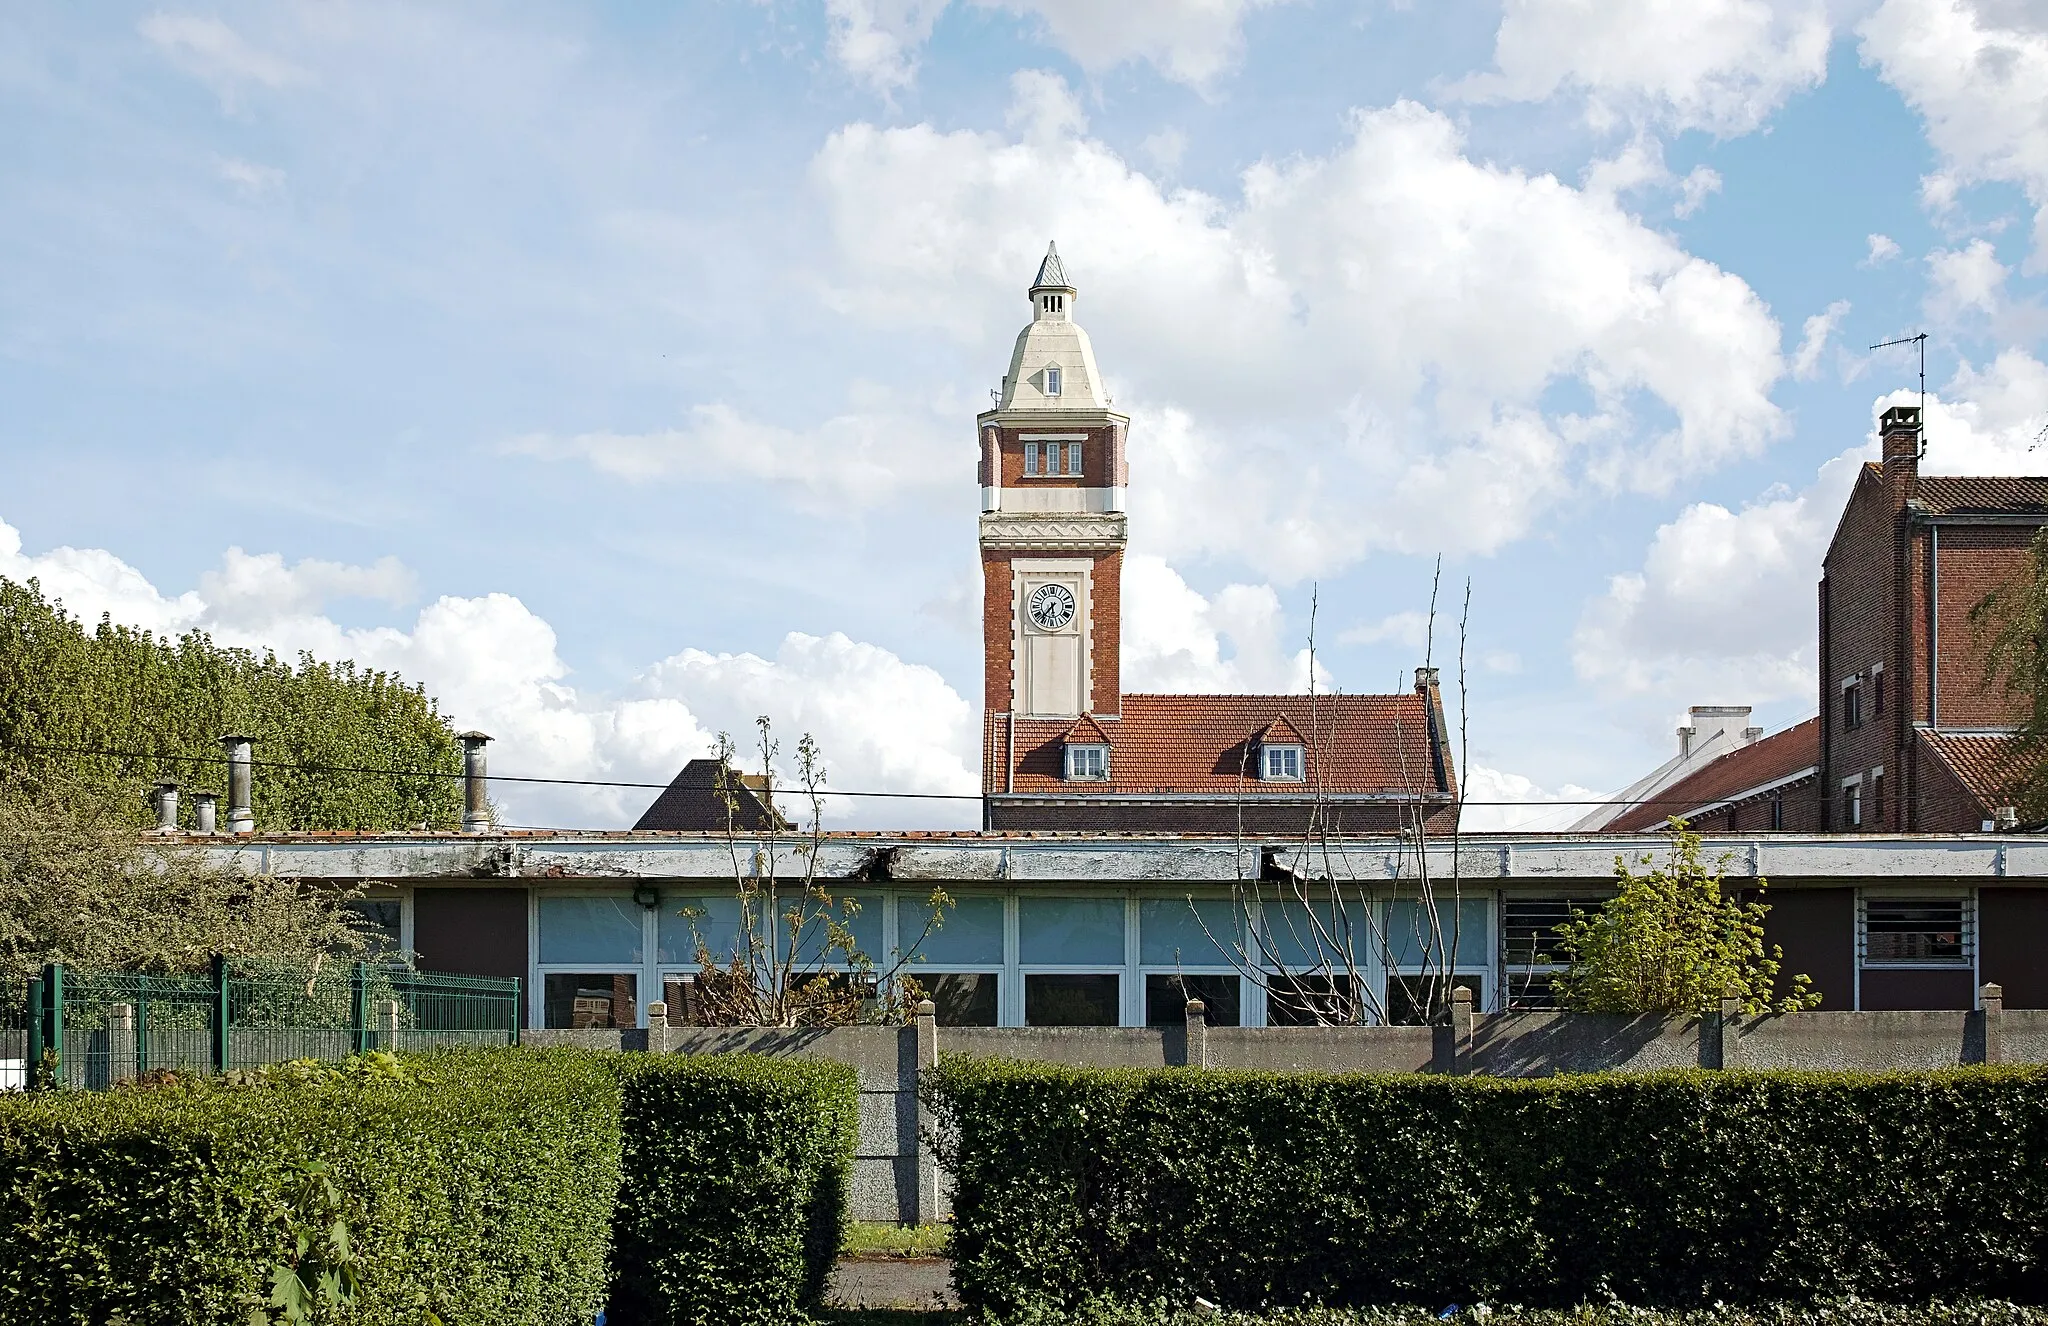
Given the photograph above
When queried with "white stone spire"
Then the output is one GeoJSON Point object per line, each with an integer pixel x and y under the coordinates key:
{"type": "Point", "coordinates": [1053, 365]}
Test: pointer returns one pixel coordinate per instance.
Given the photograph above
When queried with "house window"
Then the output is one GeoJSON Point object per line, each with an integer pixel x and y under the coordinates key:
{"type": "Point", "coordinates": [1087, 763]}
{"type": "Point", "coordinates": [1877, 691]}
{"type": "Point", "coordinates": [1778, 811]}
{"type": "Point", "coordinates": [1877, 796]}
{"type": "Point", "coordinates": [1917, 932]}
{"type": "Point", "coordinates": [1073, 457]}
{"type": "Point", "coordinates": [1031, 458]}
{"type": "Point", "coordinates": [1852, 703]}
{"type": "Point", "coordinates": [1282, 764]}
{"type": "Point", "coordinates": [1852, 803]}
{"type": "Point", "coordinates": [1531, 955]}
{"type": "Point", "coordinates": [1052, 380]}
{"type": "Point", "coordinates": [1081, 941]}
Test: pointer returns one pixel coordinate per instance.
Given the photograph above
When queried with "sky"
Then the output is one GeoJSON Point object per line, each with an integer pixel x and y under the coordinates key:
{"type": "Point", "coordinates": [612, 369]}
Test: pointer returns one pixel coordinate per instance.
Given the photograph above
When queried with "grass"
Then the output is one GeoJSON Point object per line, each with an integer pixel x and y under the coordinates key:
{"type": "Point", "coordinates": [873, 1239]}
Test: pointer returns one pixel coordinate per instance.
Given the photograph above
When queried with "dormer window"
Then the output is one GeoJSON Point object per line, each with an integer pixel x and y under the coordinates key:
{"type": "Point", "coordinates": [1280, 763]}
{"type": "Point", "coordinates": [1052, 374]}
{"type": "Point", "coordinates": [1087, 763]}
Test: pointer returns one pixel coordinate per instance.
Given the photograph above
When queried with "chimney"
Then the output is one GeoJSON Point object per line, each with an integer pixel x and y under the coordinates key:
{"type": "Point", "coordinates": [1439, 732]}
{"type": "Point", "coordinates": [1685, 740]}
{"type": "Point", "coordinates": [1899, 427]}
{"type": "Point", "coordinates": [205, 815]}
{"type": "Point", "coordinates": [241, 819]}
{"type": "Point", "coordinates": [166, 807]}
{"type": "Point", "coordinates": [476, 807]}
{"type": "Point", "coordinates": [2006, 819]}
{"type": "Point", "coordinates": [1707, 721]}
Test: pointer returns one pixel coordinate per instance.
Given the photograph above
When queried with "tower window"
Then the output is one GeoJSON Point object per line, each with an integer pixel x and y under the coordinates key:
{"type": "Point", "coordinates": [1852, 703]}
{"type": "Point", "coordinates": [1031, 458]}
{"type": "Point", "coordinates": [1073, 457]}
{"type": "Point", "coordinates": [1055, 303]}
{"type": "Point", "coordinates": [1052, 380]}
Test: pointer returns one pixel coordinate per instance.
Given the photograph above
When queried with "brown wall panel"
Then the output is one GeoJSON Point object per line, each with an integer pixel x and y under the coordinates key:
{"type": "Point", "coordinates": [2012, 941]}
{"type": "Point", "coordinates": [1817, 930]}
{"type": "Point", "coordinates": [1918, 988]}
{"type": "Point", "coordinates": [473, 932]}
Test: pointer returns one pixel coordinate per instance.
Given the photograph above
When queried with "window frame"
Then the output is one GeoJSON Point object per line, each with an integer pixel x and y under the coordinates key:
{"type": "Point", "coordinates": [1851, 802]}
{"type": "Point", "coordinates": [1271, 750]}
{"type": "Point", "coordinates": [1852, 703]}
{"type": "Point", "coordinates": [1965, 902]}
{"type": "Point", "coordinates": [1078, 753]}
{"type": "Point", "coordinates": [1547, 968]}
{"type": "Point", "coordinates": [1054, 380]}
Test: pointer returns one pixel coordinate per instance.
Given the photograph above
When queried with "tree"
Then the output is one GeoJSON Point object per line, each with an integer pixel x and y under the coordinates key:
{"type": "Point", "coordinates": [2011, 623]}
{"type": "Point", "coordinates": [794, 960]}
{"type": "Point", "coordinates": [121, 709]}
{"type": "Point", "coordinates": [79, 885]}
{"type": "Point", "coordinates": [1673, 940]}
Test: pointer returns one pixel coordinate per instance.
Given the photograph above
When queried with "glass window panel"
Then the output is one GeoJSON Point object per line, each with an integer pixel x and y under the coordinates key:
{"type": "Point", "coordinates": [1421, 1001]}
{"type": "Point", "coordinates": [1171, 932]}
{"type": "Point", "coordinates": [969, 933]}
{"type": "Point", "coordinates": [1070, 931]}
{"type": "Point", "coordinates": [1166, 999]}
{"type": "Point", "coordinates": [593, 1000]}
{"type": "Point", "coordinates": [962, 999]}
{"type": "Point", "coordinates": [1298, 937]}
{"type": "Point", "coordinates": [859, 912]}
{"type": "Point", "coordinates": [716, 920]}
{"type": "Point", "coordinates": [598, 930]}
{"type": "Point", "coordinates": [1309, 1001]}
{"type": "Point", "coordinates": [1410, 942]}
{"type": "Point", "coordinates": [1071, 1001]}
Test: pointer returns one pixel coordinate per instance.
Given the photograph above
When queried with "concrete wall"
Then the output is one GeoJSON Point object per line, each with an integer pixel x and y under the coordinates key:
{"type": "Point", "coordinates": [895, 1177]}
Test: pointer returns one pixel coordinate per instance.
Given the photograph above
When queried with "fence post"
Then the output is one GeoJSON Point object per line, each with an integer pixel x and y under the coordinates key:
{"type": "Point", "coordinates": [221, 1013]}
{"type": "Point", "coordinates": [927, 1164]}
{"type": "Point", "coordinates": [1195, 1053]}
{"type": "Point", "coordinates": [32, 1068]}
{"type": "Point", "coordinates": [512, 1022]}
{"type": "Point", "coordinates": [120, 1042]}
{"type": "Point", "coordinates": [359, 1007]}
{"type": "Point", "coordinates": [142, 1026]}
{"type": "Point", "coordinates": [1990, 1016]}
{"type": "Point", "coordinates": [53, 1016]}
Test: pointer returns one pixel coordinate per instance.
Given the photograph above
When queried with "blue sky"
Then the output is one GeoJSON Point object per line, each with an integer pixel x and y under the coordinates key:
{"type": "Point", "coordinates": [611, 369]}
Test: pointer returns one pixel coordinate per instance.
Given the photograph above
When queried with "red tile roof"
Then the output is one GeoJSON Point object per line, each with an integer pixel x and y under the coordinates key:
{"type": "Point", "coordinates": [1952, 494]}
{"type": "Point", "coordinates": [1775, 758]}
{"type": "Point", "coordinates": [1168, 744]}
{"type": "Point", "coordinates": [1280, 732]}
{"type": "Point", "coordinates": [1087, 732]}
{"type": "Point", "coordinates": [1981, 762]}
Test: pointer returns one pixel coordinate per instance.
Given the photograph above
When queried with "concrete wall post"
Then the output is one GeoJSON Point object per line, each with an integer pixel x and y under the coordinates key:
{"type": "Point", "coordinates": [657, 1027]}
{"type": "Point", "coordinates": [1722, 1041]}
{"type": "Point", "coordinates": [387, 1020]}
{"type": "Point", "coordinates": [926, 1196]}
{"type": "Point", "coordinates": [1452, 1051]}
{"type": "Point", "coordinates": [120, 1042]}
{"type": "Point", "coordinates": [1990, 1019]}
{"type": "Point", "coordinates": [1195, 1050]}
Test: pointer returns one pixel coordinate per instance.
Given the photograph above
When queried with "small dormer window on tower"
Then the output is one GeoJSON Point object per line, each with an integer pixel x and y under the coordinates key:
{"type": "Point", "coordinates": [1052, 373]}
{"type": "Point", "coordinates": [1054, 303]}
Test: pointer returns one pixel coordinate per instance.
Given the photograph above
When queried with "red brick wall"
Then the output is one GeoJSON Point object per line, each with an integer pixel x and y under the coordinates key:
{"type": "Point", "coordinates": [1263, 817]}
{"type": "Point", "coordinates": [1097, 458]}
{"type": "Point", "coordinates": [1973, 561]}
{"type": "Point", "coordinates": [1860, 621]}
{"type": "Point", "coordinates": [1105, 595]}
{"type": "Point", "coordinates": [1801, 813]}
{"type": "Point", "coordinates": [1946, 806]}
{"type": "Point", "coordinates": [997, 617]}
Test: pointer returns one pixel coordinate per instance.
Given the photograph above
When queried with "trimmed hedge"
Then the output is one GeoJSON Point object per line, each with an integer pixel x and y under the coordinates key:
{"type": "Point", "coordinates": [734, 1204]}
{"type": "Point", "coordinates": [483, 1195]}
{"type": "Point", "coordinates": [1846, 1312]}
{"type": "Point", "coordinates": [1079, 1188]}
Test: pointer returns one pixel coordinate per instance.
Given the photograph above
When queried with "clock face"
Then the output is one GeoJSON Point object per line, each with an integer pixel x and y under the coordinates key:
{"type": "Point", "coordinates": [1051, 607]}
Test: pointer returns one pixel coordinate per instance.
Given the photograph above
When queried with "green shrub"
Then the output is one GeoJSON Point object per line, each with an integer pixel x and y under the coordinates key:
{"type": "Point", "coordinates": [734, 1204]}
{"type": "Point", "coordinates": [1079, 1187]}
{"type": "Point", "coordinates": [476, 1185]}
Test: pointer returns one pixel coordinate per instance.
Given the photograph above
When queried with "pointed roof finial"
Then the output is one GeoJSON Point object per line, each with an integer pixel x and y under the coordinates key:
{"type": "Point", "coordinates": [1051, 275]}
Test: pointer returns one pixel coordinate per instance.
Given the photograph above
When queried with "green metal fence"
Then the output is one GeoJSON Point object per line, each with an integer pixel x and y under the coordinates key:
{"type": "Point", "coordinates": [93, 1029]}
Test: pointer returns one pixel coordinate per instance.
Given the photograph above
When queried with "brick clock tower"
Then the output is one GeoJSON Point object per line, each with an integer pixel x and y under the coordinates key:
{"type": "Point", "coordinates": [1053, 478]}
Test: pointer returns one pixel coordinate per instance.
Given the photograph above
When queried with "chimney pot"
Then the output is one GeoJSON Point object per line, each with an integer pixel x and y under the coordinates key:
{"type": "Point", "coordinates": [476, 804]}
{"type": "Point", "coordinates": [205, 812]}
{"type": "Point", "coordinates": [2006, 818]}
{"type": "Point", "coordinates": [241, 819]}
{"type": "Point", "coordinates": [167, 807]}
{"type": "Point", "coordinates": [1425, 678]}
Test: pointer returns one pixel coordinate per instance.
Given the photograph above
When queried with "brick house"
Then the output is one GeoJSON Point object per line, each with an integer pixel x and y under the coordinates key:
{"type": "Point", "coordinates": [1063, 746]}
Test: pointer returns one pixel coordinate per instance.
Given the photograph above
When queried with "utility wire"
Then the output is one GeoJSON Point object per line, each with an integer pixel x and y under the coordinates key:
{"type": "Point", "coordinates": [609, 782]}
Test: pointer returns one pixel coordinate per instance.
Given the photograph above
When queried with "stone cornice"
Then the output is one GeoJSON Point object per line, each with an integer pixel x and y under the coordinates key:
{"type": "Point", "coordinates": [1053, 529]}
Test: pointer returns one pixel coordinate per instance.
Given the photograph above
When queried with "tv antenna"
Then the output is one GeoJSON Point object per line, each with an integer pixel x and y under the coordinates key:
{"type": "Point", "coordinates": [1920, 341]}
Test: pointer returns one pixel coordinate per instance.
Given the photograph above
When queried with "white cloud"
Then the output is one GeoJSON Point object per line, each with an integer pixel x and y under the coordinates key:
{"type": "Point", "coordinates": [878, 41]}
{"type": "Point", "coordinates": [1883, 248]}
{"type": "Point", "coordinates": [248, 178]}
{"type": "Point", "coordinates": [1501, 802]}
{"type": "Point", "coordinates": [215, 53]}
{"type": "Point", "coordinates": [1965, 280]}
{"type": "Point", "coordinates": [1165, 149]}
{"type": "Point", "coordinates": [1978, 76]}
{"type": "Point", "coordinates": [1401, 628]}
{"type": "Point", "coordinates": [1814, 338]}
{"type": "Point", "coordinates": [884, 724]}
{"type": "Point", "coordinates": [1719, 65]}
{"type": "Point", "coordinates": [869, 454]}
{"type": "Point", "coordinates": [1174, 639]}
{"type": "Point", "coordinates": [1190, 41]}
{"type": "Point", "coordinates": [1985, 421]}
{"type": "Point", "coordinates": [1699, 184]}
{"type": "Point", "coordinates": [1350, 337]}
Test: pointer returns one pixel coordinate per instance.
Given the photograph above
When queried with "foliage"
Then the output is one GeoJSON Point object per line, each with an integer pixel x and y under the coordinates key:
{"type": "Point", "coordinates": [1076, 1188]}
{"type": "Point", "coordinates": [1844, 1312]}
{"type": "Point", "coordinates": [877, 1239]}
{"type": "Point", "coordinates": [66, 690]}
{"type": "Point", "coordinates": [1674, 940]}
{"type": "Point", "coordinates": [473, 1186]}
{"type": "Point", "coordinates": [736, 1170]}
{"type": "Point", "coordinates": [79, 885]}
{"type": "Point", "coordinates": [794, 960]}
{"type": "Point", "coordinates": [2011, 626]}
